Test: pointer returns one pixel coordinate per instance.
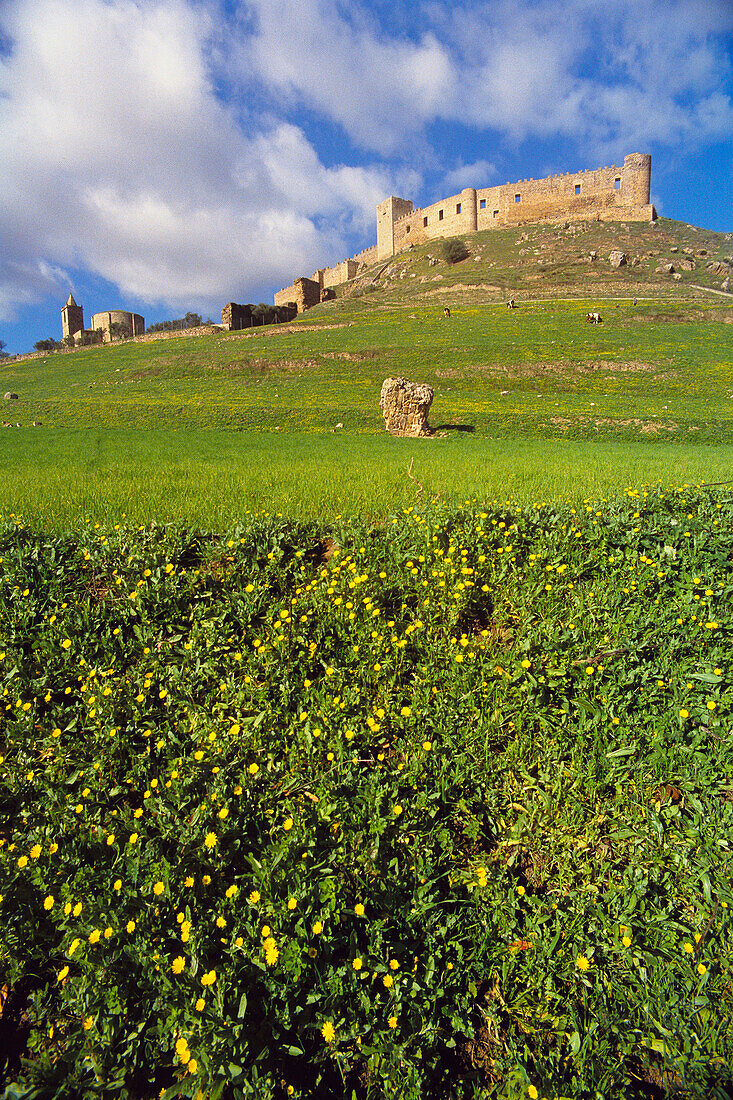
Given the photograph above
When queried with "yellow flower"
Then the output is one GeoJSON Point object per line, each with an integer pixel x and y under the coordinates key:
{"type": "Point", "coordinates": [133, 838]}
{"type": "Point", "coordinates": [393, 964]}
{"type": "Point", "coordinates": [117, 884]}
{"type": "Point", "coordinates": [231, 891]}
{"type": "Point", "coordinates": [253, 769]}
{"type": "Point", "coordinates": [702, 969]}
{"type": "Point", "coordinates": [532, 1093]}
{"type": "Point", "coordinates": [684, 713]}
{"type": "Point", "coordinates": [359, 909]}
{"type": "Point", "coordinates": [427, 745]}
{"type": "Point", "coordinates": [266, 930]}
{"type": "Point", "coordinates": [271, 951]}
{"type": "Point", "coordinates": [63, 972]}
{"type": "Point", "coordinates": [223, 813]}
{"type": "Point", "coordinates": [387, 981]}
{"type": "Point", "coordinates": [292, 903]}
{"type": "Point", "coordinates": [210, 840]}
{"type": "Point", "coordinates": [130, 926]}
{"type": "Point", "coordinates": [111, 839]}
{"type": "Point", "coordinates": [178, 964]}
{"type": "Point", "coordinates": [73, 946]}
{"type": "Point", "coordinates": [317, 928]}
{"type": "Point", "coordinates": [711, 704]}
{"type": "Point", "coordinates": [254, 897]}
{"type": "Point", "coordinates": [206, 879]}
{"type": "Point", "coordinates": [200, 1004]}
{"type": "Point", "coordinates": [188, 881]}
{"type": "Point", "coordinates": [158, 889]}
{"type": "Point", "coordinates": [77, 909]}
{"type": "Point", "coordinates": [328, 1032]}
{"type": "Point", "coordinates": [521, 891]}
{"type": "Point", "coordinates": [357, 964]}
{"type": "Point", "coordinates": [192, 1065]}
{"type": "Point", "coordinates": [688, 948]}
{"type": "Point", "coordinates": [406, 712]}
{"type": "Point", "coordinates": [23, 862]}
{"type": "Point", "coordinates": [288, 824]}
{"type": "Point", "coordinates": [49, 902]}
{"type": "Point", "coordinates": [209, 978]}
{"type": "Point", "coordinates": [397, 810]}
{"type": "Point", "coordinates": [88, 1023]}
{"type": "Point", "coordinates": [66, 644]}
{"type": "Point", "coordinates": [392, 1021]}
{"type": "Point", "coordinates": [182, 1048]}
{"type": "Point", "coordinates": [526, 663]}
{"type": "Point", "coordinates": [36, 851]}
{"type": "Point", "coordinates": [220, 922]}
{"type": "Point", "coordinates": [582, 963]}
{"type": "Point", "coordinates": [94, 936]}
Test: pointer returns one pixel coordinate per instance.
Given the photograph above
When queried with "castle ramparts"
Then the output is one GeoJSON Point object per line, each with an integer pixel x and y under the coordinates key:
{"type": "Point", "coordinates": [603, 194]}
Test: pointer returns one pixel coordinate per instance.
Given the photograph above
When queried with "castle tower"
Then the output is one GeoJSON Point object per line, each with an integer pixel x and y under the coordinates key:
{"type": "Point", "coordinates": [72, 317]}
{"type": "Point", "coordinates": [387, 214]}
{"type": "Point", "coordinates": [636, 178]}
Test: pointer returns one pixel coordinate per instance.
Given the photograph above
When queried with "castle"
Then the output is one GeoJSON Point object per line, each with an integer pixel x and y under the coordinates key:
{"type": "Point", "coordinates": [601, 194]}
{"type": "Point", "coordinates": [72, 324]}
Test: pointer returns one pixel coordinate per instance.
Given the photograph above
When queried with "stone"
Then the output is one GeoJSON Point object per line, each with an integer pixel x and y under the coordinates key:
{"type": "Point", "coordinates": [593, 256]}
{"type": "Point", "coordinates": [725, 285]}
{"type": "Point", "coordinates": [405, 406]}
{"type": "Point", "coordinates": [686, 264]}
{"type": "Point", "coordinates": [665, 269]}
{"type": "Point", "coordinates": [676, 276]}
{"type": "Point", "coordinates": [617, 259]}
{"type": "Point", "coordinates": [11, 396]}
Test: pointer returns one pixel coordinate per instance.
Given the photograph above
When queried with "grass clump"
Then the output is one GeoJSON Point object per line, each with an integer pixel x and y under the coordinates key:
{"type": "Point", "coordinates": [433, 807]}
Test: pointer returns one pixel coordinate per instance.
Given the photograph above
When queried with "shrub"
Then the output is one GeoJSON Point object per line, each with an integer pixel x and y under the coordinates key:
{"type": "Point", "coordinates": [454, 250]}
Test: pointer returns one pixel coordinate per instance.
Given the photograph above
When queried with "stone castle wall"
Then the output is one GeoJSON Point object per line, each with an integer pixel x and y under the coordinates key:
{"type": "Point", "coordinates": [604, 194]}
{"type": "Point", "coordinates": [104, 321]}
{"type": "Point", "coordinates": [303, 293]}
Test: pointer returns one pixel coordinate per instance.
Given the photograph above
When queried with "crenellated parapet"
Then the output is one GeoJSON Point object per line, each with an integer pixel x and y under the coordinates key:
{"type": "Point", "coordinates": [612, 193]}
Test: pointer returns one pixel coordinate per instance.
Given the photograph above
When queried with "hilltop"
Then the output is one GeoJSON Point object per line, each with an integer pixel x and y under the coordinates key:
{"type": "Point", "coordinates": [568, 259]}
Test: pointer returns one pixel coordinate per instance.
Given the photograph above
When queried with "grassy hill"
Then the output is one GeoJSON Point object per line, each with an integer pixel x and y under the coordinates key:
{"type": "Point", "coordinates": [304, 396]}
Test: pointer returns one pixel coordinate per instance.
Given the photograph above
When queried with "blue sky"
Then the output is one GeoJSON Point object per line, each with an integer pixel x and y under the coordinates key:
{"type": "Point", "coordinates": [172, 155]}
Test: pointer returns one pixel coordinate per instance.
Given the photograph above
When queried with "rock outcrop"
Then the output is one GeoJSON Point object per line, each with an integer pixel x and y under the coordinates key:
{"type": "Point", "coordinates": [405, 406]}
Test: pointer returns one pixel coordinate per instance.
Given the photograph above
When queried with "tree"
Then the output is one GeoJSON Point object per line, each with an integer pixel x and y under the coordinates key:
{"type": "Point", "coordinates": [193, 320]}
{"type": "Point", "coordinates": [118, 330]}
{"type": "Point", "coordinates": [47, 345]}
{"type": "Point", "coordinates": [454, 250]}
{"type": "Point", "coordinates": [3, 353]}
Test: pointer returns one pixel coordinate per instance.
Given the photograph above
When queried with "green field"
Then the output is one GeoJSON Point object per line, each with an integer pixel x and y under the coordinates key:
{"type": "Point", "coordinates": [343, 766]}
{"type": "Point", "coordinates": [288, 418]}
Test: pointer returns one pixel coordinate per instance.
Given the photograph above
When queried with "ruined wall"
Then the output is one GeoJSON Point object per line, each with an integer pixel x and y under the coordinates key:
{"type": "Point", "coordinates": [608, 194]}
{"type": "Point", "coordinates": [133, 322]}
{"type": "Point", "coordinates": [340, 273]}
{"type": "Point", "coordinates": [235, 316]}
{"type": "Point", "coordinates": [304, 293]}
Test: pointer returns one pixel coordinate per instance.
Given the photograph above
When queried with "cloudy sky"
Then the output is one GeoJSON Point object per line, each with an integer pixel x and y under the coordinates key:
{"type": "Point", "coordinates": [172, 155]}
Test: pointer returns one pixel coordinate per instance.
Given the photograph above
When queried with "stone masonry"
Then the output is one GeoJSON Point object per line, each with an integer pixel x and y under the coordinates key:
{"type": "Point", "coordinates": [405, 406]}
{"type": "Point", "coordinates": [603, 194]}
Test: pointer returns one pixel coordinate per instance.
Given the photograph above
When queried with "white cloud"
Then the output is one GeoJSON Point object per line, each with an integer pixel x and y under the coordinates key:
{"type": "Point", "coordinates": [380, 89]}
{"type": "Point", "coordinates": [119, 159]}
{"type": "Point", "coordinates": [481, 173]}
{"type": "Point", "coordinates": [604, 75]}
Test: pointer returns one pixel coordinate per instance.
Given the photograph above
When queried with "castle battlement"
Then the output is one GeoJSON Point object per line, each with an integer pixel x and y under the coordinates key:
{"type": "Point", "coordinates": [612, 193]}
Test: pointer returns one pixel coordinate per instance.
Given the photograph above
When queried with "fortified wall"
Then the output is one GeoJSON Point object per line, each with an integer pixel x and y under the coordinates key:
{"type": "Point", "coordinates": [602, 194]}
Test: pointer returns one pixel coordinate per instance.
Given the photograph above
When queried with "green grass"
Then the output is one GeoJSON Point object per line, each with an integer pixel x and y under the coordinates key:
{"type": "Point", "coordinates": [212, 478]}
{"type": "Point", "coordinates": [438, 807]}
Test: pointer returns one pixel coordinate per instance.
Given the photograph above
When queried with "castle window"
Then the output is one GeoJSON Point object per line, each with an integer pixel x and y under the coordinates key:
{"type": "Point", "coordinates": [407, 229]}
{"type": "Point", "coordinates": [482, 204]}
{"type": "Point", "coordinates": [440, 215]}
{"type": "Point", "coordinates": [496, 213]}
{"type": "Point", "coordinates": [617, 183]}
{"type": "Point", "coordinates": [425, 221]}
{"type": "Point", "coordinates": [577, 189]}
{"type": "Point", "coordinates": [517, 198]}
{"type": "Point", "coordinates": [458, 208]}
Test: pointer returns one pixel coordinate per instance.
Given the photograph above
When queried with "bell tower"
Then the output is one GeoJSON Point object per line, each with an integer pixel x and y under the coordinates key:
{"type": "Point", "coordinates": [72, 317]}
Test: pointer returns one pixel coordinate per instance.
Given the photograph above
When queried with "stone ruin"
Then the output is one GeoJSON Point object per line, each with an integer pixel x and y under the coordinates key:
{"type": "Point", "coordinates": [405, 406]}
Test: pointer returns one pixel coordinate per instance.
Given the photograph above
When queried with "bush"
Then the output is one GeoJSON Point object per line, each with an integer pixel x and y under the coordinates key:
{"type": "Point", "coordinates": [454, 250]}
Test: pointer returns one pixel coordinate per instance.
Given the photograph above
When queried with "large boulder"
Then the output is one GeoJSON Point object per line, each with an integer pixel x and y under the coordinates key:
{"type": "Point", "coordinates": [405, 406]}
{"type": "Point", "coordinates": [617, 259]}
{"type": "Point", "coordinates": [11, 396]}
